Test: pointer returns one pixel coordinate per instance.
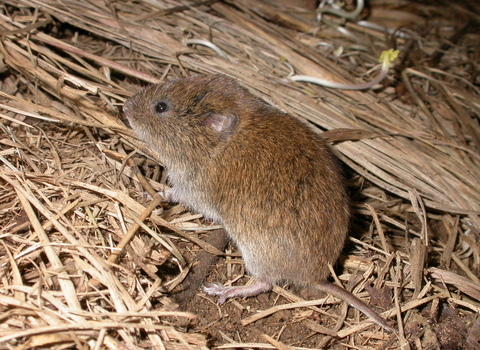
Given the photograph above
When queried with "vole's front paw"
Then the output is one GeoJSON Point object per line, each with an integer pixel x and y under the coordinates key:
{"type": "Point", "coordinates": [168, 195]}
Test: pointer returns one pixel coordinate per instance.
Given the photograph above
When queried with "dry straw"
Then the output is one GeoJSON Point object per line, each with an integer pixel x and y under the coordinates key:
{"type": "Point", "coordinates": [64, 199]}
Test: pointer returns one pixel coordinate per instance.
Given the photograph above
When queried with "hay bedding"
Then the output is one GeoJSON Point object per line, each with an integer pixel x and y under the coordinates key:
{"type": "Point", "coordinates": [88, 260]}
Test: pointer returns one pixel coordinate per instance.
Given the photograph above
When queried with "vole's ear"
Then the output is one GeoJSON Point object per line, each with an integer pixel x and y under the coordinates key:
{"type": "Point", "coordinates": [221, 122]}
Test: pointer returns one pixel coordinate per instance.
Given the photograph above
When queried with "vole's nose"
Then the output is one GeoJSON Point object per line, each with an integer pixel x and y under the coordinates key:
{"type": "Point", "coordinates": [128, 107]}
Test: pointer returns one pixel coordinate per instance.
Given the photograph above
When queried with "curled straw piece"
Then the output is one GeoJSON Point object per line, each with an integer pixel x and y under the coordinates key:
{"type": "Point", "coordinates": [398, 32]}
{"type": "Point", "coordinates": [340, 12]}
{"type": "Point", "coordinates": [386, 58]}
{"type": "Point", "coordinates": [352, 15]}
{"type": "Point", "coordinates": [207, 44]}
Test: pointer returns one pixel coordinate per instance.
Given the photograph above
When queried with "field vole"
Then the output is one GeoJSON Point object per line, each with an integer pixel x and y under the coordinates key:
{"type": "Point", "coordinates": [264, 175]}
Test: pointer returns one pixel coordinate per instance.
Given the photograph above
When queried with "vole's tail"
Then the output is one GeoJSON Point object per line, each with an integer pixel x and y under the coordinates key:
{"type": "Point", "coordinates": [345, 295]}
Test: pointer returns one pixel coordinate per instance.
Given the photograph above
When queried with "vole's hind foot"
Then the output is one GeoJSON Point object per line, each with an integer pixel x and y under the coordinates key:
{"type": "Point", "coordinates": [231, 292]}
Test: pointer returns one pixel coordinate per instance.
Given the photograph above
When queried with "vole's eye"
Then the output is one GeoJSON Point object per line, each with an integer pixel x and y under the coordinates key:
{"type": "Point", "coordinates": [161, 107]}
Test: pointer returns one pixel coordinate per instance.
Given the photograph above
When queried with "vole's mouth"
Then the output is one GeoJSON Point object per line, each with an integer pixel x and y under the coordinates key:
{"type": "Point", "coordinates": [130, 122]}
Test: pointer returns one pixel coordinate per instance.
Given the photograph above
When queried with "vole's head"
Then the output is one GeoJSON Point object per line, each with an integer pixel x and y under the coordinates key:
{"type": "Point", "coordinates": [189, 118]}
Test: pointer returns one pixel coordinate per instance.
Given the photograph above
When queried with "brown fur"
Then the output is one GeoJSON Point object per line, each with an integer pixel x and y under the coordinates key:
{"type": "Point", "coordinates": [264, 175]}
